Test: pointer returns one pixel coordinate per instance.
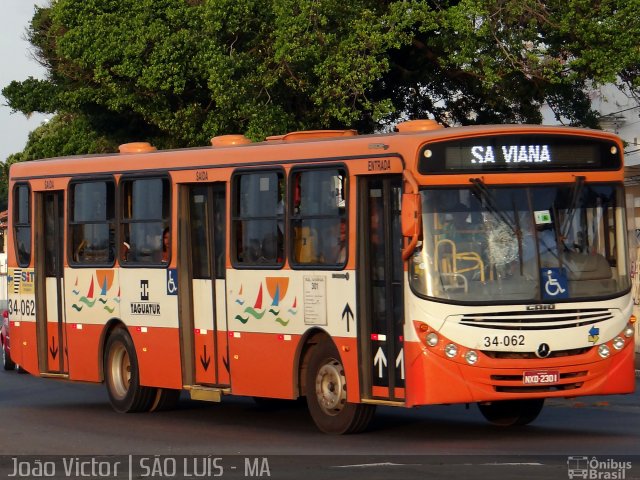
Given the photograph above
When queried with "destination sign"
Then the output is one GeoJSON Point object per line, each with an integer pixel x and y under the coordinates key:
{"type": "Point", "coordinates": [507, 153]}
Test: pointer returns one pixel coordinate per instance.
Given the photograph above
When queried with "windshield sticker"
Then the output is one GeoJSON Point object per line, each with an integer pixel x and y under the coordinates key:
{"type": "Point", "coordinates": [542, 217]}
{"type": "Point", "coordinates": [555, 284]}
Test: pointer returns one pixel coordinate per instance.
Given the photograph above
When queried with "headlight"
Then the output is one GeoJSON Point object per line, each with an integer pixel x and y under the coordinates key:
{"type": "Point", "coordinates": [628, 331]}
{"type": "Point", "coordinates": [432, 339]}
{"type": "Point", "coordinates": [604, 351]}
{"type": "Point", "coordinates": [618, 343]}
{"type": "Point", "coordinates": [451, 350]}
{"type": "Point", "coordinates": [471, 357]}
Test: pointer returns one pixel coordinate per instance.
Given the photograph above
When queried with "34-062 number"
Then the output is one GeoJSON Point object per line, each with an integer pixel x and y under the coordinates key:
{"type": "Point", "coordinates": [505, 341]}
{"type": "Point", "coordinates": [23, 307]}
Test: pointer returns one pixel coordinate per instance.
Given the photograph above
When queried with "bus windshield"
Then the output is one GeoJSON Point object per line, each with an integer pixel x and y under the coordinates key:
{"type": "Point", "coordinates": [521, 244]}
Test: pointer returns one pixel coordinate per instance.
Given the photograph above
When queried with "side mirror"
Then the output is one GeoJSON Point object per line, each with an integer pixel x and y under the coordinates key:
{"type": "Point", "coordinates": [411, 218]}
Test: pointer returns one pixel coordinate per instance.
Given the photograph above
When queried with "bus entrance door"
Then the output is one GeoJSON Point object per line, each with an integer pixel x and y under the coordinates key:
{"type": "Point", "coordinates": [52, 352]}
{"type": "Point", "coordinates": [381, 294]}
{"type": "Point", "coordinates": [205, 335]}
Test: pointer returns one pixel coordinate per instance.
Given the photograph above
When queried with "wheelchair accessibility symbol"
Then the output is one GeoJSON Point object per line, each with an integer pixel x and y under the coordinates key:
{"type": "Point", "coordinates": [554, 282]}
{"type": "Point", "coordinates": [172, 281]}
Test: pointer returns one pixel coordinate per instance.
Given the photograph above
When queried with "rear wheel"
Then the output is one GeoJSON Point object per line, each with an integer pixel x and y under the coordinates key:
{"type": "Point", "coordinates": [508, 413]}
{"type": "Point", "coordinates": [122, 376]}
{"type": "Point", "coordinates": [7, 363]}
{"type": "Point", "coordinates": [326, 388]}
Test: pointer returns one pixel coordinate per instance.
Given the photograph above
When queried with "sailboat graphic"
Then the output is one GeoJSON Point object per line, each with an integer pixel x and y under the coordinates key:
{"type": "Point", "coordinates": [254, 311]}
{"type": "Point", "coordinates": [89, 300]}
{"type": "Point", "coordinates": [294, 308]}
{"type": "Point", "coordinates": [239, 300]}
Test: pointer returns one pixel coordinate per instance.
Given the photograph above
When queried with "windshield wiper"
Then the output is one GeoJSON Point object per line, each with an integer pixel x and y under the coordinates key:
{"type": "Point", "coordinates": [575, 196]}
{"type": "Point", "coordinates": [487, 198]}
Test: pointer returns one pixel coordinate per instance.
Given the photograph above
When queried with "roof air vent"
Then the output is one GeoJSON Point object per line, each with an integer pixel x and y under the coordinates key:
{"type": "Point", "coordinates": [418, 126]}
{"type": "Point", "coordinates": [136, 147]}
{"type": "Point", "coordinates": [312, 134]}
{"type": "Point", "coordinates": [229, 140]}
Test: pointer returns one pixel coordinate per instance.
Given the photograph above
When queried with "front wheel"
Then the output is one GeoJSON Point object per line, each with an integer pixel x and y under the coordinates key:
{"type": "Point", "coordinates": [508, 413]}
{"type": "Point", "coordinates": [122, 376]}
{"type": "Point", "coordinates": [326, 388]}
{"type": "Point", "coordinates": [7, 363]}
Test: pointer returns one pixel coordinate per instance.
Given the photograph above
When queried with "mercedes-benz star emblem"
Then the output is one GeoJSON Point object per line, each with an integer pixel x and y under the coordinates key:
{"type": "Point", "coordinates": [543, 350]}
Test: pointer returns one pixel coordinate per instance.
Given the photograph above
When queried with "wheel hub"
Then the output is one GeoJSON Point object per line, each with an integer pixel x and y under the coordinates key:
{"type": "Point", "coordinates": [120, 370]}
{"type": "Point", "coordinates": [331, 388]}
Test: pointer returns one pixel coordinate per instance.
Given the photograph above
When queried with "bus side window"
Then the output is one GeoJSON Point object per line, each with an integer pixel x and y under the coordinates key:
{"type": "Point", "coordinates": [258, 218]}
{"type": "Point", "coordinates": [145, 220]}
{"type": "Point", "coordinates": [319, 218]}
{"type": "Point", "coordinates": [92, 223]}
{"type": "Point", "coordinates": [22, 224]}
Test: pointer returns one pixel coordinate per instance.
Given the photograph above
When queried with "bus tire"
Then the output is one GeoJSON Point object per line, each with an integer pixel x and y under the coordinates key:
{"type": "Point", "coordinates": [165, 399]}
{"type": "Point", "coordinates": [122, 375]}
{"type": "Point", "coordinates": [509, 413]}
{"type": "Point", "coordinates": [326, 389]}
{"type": "Point", "coordinates": [7, 363]}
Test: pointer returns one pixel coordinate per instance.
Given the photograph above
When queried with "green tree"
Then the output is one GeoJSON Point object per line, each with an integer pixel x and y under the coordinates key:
{"type": "Point", "coordinates": [177, 72]}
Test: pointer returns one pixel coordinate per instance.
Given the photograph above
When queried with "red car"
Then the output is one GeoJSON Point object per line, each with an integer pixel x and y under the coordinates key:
{"type": "Point", "coordinates": [4, 337]}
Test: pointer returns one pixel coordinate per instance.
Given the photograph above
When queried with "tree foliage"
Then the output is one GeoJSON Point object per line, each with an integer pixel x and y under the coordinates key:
{"type": "Point", "coordinates": [177, 72]}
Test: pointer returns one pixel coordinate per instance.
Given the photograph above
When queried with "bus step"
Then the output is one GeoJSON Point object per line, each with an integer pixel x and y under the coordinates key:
{"type": "Point", "coordinates": [388, 403]}
{"type": "Point", "coordinates": [208, 394]}
{"type": "Point", "coordinates": [54, 375]}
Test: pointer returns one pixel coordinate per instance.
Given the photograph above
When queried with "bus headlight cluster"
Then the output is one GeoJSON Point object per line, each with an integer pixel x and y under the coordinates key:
{"type": "Point", "coordinates": [471, 357]}
{"type": "Point", "coordinates": [604, 351]}
{"type": "Point", "coordinates": [628, 331]}
{"type": "Point", "coordinates": [451, 350]}
{"type": "Point", "coordinates": [444, 347]}
{"type": "Point", "coordinates": [618, 343]}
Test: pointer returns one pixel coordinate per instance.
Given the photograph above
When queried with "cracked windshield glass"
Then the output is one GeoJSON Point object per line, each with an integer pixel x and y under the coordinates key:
{"type": "Point", "coordinates": [521, 244]}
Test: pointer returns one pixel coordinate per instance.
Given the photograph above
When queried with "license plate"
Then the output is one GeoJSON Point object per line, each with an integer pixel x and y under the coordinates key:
{"type": "Point", "coordinates": [536, 377]}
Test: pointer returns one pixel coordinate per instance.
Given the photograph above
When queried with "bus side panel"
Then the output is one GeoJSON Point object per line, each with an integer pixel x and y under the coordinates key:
{"type": "Point", "coordinates": [24, 345]}
{"type": "Point", "coordinates": [158, 352]}
{"type": "Point", "coordinates": [84, 347]}
{"type": "Point", "coordinates": [262, 364]}
{"type": "Point", "coordinates": [23, 340]}
{"type": "Point", "coordinates": [270, 311]}
{"type": "Point", "coordinates": [150, 313]}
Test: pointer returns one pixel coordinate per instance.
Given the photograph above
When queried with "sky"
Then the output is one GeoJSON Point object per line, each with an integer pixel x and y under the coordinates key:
{"type": "Point", "coordinates": [17, 64]}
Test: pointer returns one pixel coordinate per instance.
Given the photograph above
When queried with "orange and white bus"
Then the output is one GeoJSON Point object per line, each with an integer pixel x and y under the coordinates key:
{"type": "Point", "coordinates": [427, 266]}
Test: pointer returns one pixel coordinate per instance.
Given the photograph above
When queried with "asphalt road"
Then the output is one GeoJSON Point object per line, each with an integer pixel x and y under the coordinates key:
{"type": "Point", "coordinates": [44, 417]}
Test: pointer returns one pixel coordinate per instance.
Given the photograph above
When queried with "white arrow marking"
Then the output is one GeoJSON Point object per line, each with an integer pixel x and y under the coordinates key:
{"type": "Point", "coordinates": [380, 360]}
{"type": "Point", "coordinates": [400, 363]}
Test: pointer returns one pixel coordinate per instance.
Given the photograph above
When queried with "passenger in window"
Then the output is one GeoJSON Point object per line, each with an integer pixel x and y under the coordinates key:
{"type": "Point", "coordinates": [166, 245]}
{"type": "Point", "coordinates": [124, 251]}
{"type": "Point", "coordinates": [336, 244]}
{"type": "Point", "coordinates": [269, 250]}
{"type": "Point", "coordinates": [254, 251]}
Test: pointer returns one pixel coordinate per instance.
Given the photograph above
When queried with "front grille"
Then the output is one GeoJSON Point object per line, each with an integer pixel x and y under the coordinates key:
{"type": "Point", "coordinates": [532, 355]}
{"type": "Point", "coordinates": [537, 320]}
